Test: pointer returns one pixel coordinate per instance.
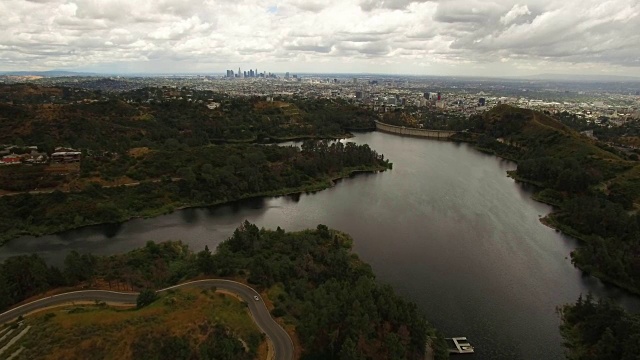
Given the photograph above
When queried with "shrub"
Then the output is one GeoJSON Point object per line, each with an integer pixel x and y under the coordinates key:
{"type": "Point", "coordinates": [146, 297]}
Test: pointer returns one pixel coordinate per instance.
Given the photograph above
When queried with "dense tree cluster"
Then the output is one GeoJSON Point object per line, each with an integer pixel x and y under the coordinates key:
{"type": "Point", "coordinates": [599, 330]}
{"type": "Point", "coordinates": [25, 178]}
{"type": "Point", "coordinates": [329, 294]}
{"type": "Point", "coordinates": [130, 119]}
{"type": "Point", "coordinates": [24, 276]}
{"type": "Point", "coordinates": [153, 266]}
{"type": "Point", "coordinates": [560, 174]}
{"type": "Point", "coordinates": [340, 311]}
{"type": "Point", "coordinates": [195, 176]}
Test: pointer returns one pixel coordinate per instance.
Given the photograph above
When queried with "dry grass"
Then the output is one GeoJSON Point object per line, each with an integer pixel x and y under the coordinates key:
{"type": "Point", "coordinates": [105, 332]}
{"type": "Point", "coordinates": [139, 152]}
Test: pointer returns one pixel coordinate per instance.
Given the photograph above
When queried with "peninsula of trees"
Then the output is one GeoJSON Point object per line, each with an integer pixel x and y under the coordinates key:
{"type": "Point", "coordinates": [149, 158]}
{"type": "Point", "coordinates": [315, 282]}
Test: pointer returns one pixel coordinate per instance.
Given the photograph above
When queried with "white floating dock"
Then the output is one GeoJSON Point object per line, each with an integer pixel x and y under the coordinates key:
{"type": "Point", "coordinates": [462, 346]}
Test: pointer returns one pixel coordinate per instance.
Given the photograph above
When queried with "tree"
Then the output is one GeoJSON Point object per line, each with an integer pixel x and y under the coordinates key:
{"type": "Point", "coordinates": [146, 297]}
{"type": "Point", "coordinates": [78, 268]}
{"type": "Point", "coordinates": [206, 264]}
{"type": "Point", "coordinates": [349, 350]}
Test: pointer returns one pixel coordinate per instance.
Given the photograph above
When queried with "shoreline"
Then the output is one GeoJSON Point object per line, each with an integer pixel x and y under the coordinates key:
{"type": "Point", "coordinates": [277, 140]}
{"type": "Point", "coordinates": [320, 185]}
{"type": "Point", "coordinates": [549, 221]}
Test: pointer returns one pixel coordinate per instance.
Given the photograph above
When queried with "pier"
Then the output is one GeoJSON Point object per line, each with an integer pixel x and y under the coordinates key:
{"type": "Point", "coordinates": [460, 346]}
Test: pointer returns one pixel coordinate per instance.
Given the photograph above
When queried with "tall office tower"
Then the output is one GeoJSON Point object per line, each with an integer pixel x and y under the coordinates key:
{"type": "Point", "coordinates": [481, 102]}
{"type": "Point", "coordinates": [286, 75]}
{"type": "Point", "coordinates": [439, 96]}
{"type": "Point", "coordinates": [427, 95]}
{"type": "Point", "coordinates": [355, 80]}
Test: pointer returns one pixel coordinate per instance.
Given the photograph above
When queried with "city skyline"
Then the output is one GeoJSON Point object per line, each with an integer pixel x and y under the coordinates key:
{"type": "Point", "coordinates": [448, 38]}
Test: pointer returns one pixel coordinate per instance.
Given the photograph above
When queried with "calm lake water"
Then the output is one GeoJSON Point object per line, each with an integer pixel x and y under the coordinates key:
{"type": "Point", "coordinates": [446, 228]}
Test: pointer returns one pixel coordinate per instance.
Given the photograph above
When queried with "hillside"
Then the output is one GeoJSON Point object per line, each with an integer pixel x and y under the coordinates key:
{"type": "Point", "coordinates": [49, 117]}
{"type": "Point", "coordinates": [323, 293]}
{"type": "Point", "coordinates": [595, 188]}
{"type": "Point", "coordinates": [149, 151]}
{"type": "Point", "coordinates": [191, 324]}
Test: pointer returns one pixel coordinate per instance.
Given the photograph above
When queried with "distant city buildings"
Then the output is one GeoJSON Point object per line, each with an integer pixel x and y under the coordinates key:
{"type": "Point", "coordinates": [255, 74]}
{"type": "Point", "coordinates": [604, 105]}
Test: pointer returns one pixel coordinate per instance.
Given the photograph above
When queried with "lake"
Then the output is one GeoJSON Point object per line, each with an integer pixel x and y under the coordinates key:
{"type": "Point", "coordinates": [446, 228]}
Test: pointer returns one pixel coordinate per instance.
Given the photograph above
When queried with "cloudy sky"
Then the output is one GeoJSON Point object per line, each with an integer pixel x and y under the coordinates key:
{"type": "Point", "coordinates": [443, 37]}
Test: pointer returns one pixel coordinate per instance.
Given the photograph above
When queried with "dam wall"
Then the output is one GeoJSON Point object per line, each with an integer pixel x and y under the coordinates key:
{"type": "Point", "coordinates": [425, 133]}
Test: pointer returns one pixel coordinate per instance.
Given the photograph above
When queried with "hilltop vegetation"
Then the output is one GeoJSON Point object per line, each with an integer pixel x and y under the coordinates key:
{"type": "Point", "coordinates": [185, 324]}
{"type": "Point", "coordinates": [151, 117]}
{"type": "Point", "coordinates": [328, 293]}
{"type": "Point", "coordinates": [316, 283]}
{"type": "Point", "coordinates": [599, 330]}
{"type": "Point", "coordinates": [149, 151]}
{"type": "Point", "coordinates": [173, 178]}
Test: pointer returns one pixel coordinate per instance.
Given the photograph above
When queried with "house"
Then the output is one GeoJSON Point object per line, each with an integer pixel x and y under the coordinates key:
{"type": "Point", "coordinates": [11, 159]}
{"type": "Point", "coordinates": [34, 158]}
{"type": "Point", "coordinates": [66, 156]}
{"type": "Point", "coordinates": [64, 149]}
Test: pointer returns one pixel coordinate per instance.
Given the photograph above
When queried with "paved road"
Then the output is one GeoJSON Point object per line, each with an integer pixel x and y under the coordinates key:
{"type": "Point", "coordinates": [283, 346]}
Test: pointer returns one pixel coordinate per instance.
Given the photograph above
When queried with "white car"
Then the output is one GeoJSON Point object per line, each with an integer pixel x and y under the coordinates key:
{"type": "Point", "coordinates": [256, 298]}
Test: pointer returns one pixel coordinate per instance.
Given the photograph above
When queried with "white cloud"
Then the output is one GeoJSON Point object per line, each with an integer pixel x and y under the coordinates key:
{"type": "Point", "coordinates": [455, 36]}
{"type": "Point", "coordinates": [515, 12]}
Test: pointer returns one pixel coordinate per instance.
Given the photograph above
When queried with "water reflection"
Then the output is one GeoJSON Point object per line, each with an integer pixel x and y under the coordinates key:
{"type": "Point", "coordinates": [189, 216]}
{"type": "Point", "coordinates": [111, 230]}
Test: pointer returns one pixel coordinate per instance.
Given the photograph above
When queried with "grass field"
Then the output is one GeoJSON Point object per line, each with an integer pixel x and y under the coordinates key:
{"type": "Point", "coordinates": [103, 332]}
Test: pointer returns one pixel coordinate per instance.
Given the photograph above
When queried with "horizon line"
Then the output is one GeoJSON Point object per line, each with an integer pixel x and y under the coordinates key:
{"type": "Point", "coordinates": [543, 76]}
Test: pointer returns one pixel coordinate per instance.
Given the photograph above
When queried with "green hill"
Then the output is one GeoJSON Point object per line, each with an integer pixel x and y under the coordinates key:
{"type": "Point", "coordinates": [49, 117]}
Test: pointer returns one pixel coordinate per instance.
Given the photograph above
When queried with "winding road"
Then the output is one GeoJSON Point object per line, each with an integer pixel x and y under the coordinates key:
{"type": "Point", "coordinates": [282, 344]}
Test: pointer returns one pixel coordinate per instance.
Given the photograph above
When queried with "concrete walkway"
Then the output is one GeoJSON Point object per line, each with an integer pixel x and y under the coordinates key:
{"type": "Point", "coordinates": [15, 354]}
{"type": "Point", "coordinates": [5, 335]}
{"type": "Point", "coordinates": [15, 339]}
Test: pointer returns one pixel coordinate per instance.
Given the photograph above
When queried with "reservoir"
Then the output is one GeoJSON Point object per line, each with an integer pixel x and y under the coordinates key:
{"type": "Point", "coordinates": [446, 228]}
